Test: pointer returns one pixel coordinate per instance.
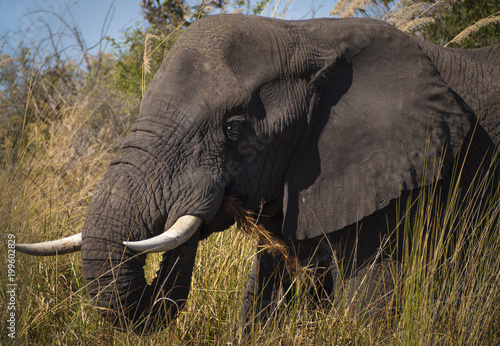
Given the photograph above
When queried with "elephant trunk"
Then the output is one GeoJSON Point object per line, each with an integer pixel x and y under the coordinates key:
{"type": "Point", "coordinates": [121, 211]}
{"type": "Point", "coordinates": [117, 286]}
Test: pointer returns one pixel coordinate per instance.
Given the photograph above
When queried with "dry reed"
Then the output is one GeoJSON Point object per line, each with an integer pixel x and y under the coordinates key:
{"type": "Point", "coordinates": [147, 52]}
{"type": "Point", "coordinates": [248, 222]}
{"type": "Point", "coordinates": [494, 19]}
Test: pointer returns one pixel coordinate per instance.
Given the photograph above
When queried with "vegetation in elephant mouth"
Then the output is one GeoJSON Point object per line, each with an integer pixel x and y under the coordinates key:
{"type": "Point", "coordinates": [248, 222]}
{"type": "Point", "coordinates": [336, 283]}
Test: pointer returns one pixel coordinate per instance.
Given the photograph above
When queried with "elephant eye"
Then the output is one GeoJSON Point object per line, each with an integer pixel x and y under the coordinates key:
{"type": "Point", "coordinates": [233, 130]}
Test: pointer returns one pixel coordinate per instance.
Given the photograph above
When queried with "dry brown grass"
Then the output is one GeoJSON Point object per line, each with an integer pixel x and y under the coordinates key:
{"type": "Point", "coordinates": [43, 195]}
{"type": "Point", "coordinates": [347, 8]}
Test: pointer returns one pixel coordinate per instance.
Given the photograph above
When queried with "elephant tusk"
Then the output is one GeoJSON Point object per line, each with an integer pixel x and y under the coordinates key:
{"type": "Point", "coordinates": [54, 247]}
{"type": "Point", "coordinates": [173, 237]}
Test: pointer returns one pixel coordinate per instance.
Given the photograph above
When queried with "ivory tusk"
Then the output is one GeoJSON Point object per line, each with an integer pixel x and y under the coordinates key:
{"type": "Point", "coordinates": [175, 236]}
{"type": "Point", "coordinates": [54, 247]}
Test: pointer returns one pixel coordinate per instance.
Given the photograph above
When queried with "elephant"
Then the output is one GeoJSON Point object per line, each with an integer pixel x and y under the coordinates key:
{"type": "Point", "coordinates": [320, 126]}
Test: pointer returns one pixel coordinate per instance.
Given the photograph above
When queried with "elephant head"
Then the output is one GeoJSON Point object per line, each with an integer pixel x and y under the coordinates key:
{"type": "Point", "coordinates": [321, 122]}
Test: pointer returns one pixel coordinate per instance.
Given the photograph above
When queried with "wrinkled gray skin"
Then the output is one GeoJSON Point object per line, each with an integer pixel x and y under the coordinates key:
{"type": "Point", "coordinates": [327, 121]}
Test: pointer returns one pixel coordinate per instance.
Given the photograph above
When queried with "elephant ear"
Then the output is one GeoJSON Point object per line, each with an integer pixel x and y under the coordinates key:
{"type": "Point", "coordinates": [382, 122]}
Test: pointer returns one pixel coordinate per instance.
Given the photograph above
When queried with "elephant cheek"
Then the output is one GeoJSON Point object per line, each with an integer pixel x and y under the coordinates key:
{"type": "Point", "coordinates": [201, 195]}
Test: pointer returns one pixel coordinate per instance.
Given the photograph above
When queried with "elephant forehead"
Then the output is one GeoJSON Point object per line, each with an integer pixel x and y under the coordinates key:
{"type": "Point", "coordinates": [225, 33]}
{"type": "Point", "coordinates": [255, 49]}
{"type": "Point", "coordinates": [190, 82]}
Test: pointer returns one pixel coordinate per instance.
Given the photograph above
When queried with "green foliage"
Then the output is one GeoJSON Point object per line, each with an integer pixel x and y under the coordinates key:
{"type": "Point", "coordinates": [462, 14]}
{"type": "Point", "coordinates": [437, 21]}
{"type": "Point", "coordinates": [31, 92]}
{"type": "Point", "coordinates": [137, 64]}
{"type": "Point", "coordinates": [143, 47]}
{"type": "Point", "coordinates": [260, 6]}
{"type": "Point", "coordinates": [245, 6]}
{"type": "Point", "coordinates": [37, 93]}
{"type": "Point", "coordinates": [169, 14]}
{"type": "Point", "coordinates": [129, 52]}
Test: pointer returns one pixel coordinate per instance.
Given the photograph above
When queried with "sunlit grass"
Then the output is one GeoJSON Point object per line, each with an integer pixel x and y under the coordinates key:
{"type": "Point", "coordinates": [446, 297]}
{"type": "Point", "coordinates": [449, 292]}
{"type": "Point", "coordinates": [446, 292]}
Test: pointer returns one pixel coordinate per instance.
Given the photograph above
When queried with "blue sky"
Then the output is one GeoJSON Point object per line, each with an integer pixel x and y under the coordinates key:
{"type": "Point", "coordinates": [30, 20]}
{"type": "Point", "coordinates": [27, 20]}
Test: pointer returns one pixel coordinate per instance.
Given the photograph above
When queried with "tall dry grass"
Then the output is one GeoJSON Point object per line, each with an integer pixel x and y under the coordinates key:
{"type": "Point", "coordinates": [46, 180]}
{"type": "Point", "coordinates": [408, 15]}
{"type": "Point", "coordinates": [449, 292]}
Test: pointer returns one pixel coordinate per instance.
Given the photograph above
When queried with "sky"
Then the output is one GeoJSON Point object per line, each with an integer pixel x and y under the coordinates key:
{"type": "Point", "coordinates": [33, 21]}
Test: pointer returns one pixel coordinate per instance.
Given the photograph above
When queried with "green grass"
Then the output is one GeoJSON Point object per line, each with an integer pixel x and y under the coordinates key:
{"type": "Point", "coordinates": [449, 291]}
